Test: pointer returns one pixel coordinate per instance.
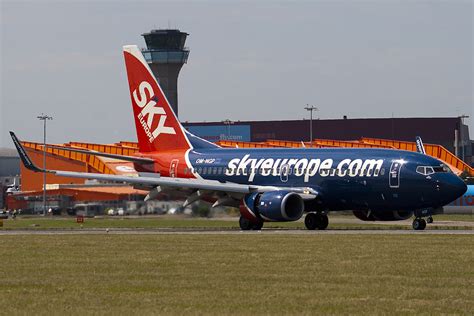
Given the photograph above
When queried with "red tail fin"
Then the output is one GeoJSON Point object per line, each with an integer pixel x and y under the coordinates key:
{"type": "Point", "coordinates": [158, 129]}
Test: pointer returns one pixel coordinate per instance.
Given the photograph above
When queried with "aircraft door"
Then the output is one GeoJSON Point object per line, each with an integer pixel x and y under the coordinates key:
{"type": "Point", "coordinates": [285, 170]}
{"type": "Point", "coordinates": [174, 168]}
{"type": "Point", "coordinates": [394, 175]}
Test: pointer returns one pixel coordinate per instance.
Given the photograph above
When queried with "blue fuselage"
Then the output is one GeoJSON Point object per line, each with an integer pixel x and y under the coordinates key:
{"type": "Point", "coordinates": [345, 179]}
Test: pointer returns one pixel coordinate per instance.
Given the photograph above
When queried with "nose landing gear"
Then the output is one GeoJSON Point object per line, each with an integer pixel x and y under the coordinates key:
{"type": "Point", "coordinates": [314, 221]}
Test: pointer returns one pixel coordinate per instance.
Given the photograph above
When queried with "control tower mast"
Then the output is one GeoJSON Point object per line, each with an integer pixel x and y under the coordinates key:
{"type": "Point", "coordinates": [166, 55]}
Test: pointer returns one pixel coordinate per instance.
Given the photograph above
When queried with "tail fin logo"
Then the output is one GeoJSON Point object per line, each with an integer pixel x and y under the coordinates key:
{"type": "Point", "coordinates": [147, 101]}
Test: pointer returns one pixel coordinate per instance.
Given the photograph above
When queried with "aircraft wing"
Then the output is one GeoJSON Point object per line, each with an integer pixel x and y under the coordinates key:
{"type": "Point", "coordinates": [168, 182]}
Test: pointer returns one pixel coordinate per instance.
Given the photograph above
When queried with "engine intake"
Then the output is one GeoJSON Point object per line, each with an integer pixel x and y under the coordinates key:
{"type": "Point", "coordinates": [280, 206]}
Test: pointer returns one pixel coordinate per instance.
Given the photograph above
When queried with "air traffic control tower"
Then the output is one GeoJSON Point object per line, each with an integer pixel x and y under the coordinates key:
{"type": "Point", "coordinates": [166, 54]}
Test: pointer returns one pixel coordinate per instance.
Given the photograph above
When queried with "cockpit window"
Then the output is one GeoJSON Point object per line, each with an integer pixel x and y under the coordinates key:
{"type": "Point", "coordinates": [427, 170]}
{"type": "Point", "coordinates": [442, 168]}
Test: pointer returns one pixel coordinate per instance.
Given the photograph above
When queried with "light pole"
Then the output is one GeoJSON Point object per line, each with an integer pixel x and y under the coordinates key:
{"type": "Point", "coordinates": [461, 134]}
{"type": "Point", "coordinates": [44, 118]}
{"type": "Point", "coordinates": [228, 123]}
{"type": "Point", "coordinates": [311, 109]}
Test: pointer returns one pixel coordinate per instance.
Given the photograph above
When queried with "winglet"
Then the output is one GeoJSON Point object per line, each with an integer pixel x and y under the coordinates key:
{"type": "Point", "coordinates": [27, 162]}
{"type": "Point", "coordinates": [419, 146]}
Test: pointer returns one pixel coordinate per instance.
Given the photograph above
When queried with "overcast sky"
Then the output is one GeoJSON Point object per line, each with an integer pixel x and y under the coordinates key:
{"type": "Point", "coordinates": [248, 62]}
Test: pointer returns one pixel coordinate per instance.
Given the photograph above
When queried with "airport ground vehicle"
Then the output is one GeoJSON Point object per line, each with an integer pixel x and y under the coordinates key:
{"type": "Point", "coordinates": [272, 184]}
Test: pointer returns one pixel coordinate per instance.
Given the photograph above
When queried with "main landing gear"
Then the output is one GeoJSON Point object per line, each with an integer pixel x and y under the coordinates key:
{"type": "Point", "coordinates": [420, 223]}
{"type": "Point", "coordinates": [314, 221]}
{"type": "Point", "coordinates": [245, 224]}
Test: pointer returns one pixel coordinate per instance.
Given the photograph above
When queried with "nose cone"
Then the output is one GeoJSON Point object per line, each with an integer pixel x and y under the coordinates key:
{"type": "Point", "coordinates": [461, 186]}
{"type": "Point", "coordinates": [454, 187]}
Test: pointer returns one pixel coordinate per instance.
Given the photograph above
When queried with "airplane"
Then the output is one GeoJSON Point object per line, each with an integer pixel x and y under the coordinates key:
{"type": "Point", "coordinates": [271, 184]}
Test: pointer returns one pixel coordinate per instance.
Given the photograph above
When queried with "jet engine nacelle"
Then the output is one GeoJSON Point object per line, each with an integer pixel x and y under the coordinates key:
{"type": "Point", "coordinates": [382, 215]}
{"type": "Point", "coordinates": [279, 206]}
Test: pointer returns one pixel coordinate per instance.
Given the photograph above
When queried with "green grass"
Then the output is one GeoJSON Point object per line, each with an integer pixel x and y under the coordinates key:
{"type": "Point", "coordinates": [158, 222]}
{"type": "Point", "coordinates": [236, 274]}
{"type": "Point", "coordinates": [455, 217]}
{"type": "Point", "coordinates": [116, 222]}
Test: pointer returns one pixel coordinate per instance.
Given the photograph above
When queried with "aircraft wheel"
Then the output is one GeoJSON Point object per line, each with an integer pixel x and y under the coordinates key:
{"type": "Point", "coordinates": [245, 224]}
{"type": "Point", "coordinates": [257, 226]}
{"type": "Point", "coordinates": [419, 224]}
{"type": "Point", "coordinates": [423, 224]}
{"type": "Point", "coordinates": [311, 221]}
{"type": "Point", "coordinates": [429, 220]}
{"type": "Point", "coordinates": [323, 222]}
{"type": "Point", "coordinates": [416, 224]}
